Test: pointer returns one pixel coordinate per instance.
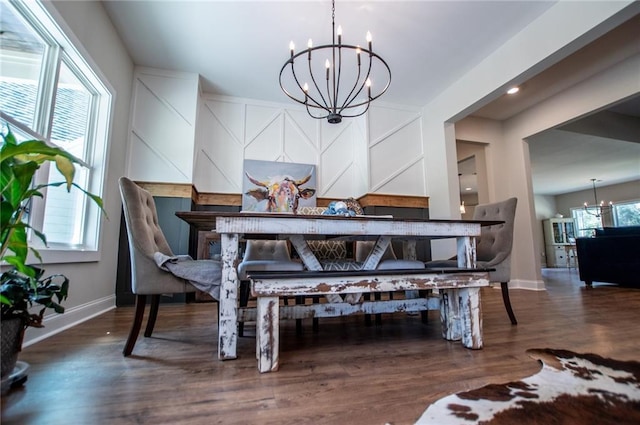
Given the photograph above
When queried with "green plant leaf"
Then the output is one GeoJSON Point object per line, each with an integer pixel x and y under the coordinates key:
{"type": "Point", "coordinates": [34, 150]}
{"type": "Point", "coordinates": [66, 168]}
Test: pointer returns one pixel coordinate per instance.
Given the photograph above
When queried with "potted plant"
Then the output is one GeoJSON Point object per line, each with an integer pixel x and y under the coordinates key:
{"type": "Point", "coordinates": [24, 286]}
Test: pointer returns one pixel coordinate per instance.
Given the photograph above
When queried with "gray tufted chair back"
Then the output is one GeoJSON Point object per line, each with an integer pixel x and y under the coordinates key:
{"type": "Point", "coordinates": [493, 248]}
{"type": "Point", "coordinates": [145, 238]}
{"type": "Point", "coordinates": [267, 255]}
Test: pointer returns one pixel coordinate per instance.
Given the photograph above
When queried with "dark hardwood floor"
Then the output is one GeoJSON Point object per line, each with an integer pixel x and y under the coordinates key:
{"type": "Point", "coordinates": [347, 373]}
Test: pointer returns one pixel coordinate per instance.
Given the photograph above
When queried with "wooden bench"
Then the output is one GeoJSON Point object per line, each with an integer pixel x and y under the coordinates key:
{"type": "Point", "coordinates": [458, 301]}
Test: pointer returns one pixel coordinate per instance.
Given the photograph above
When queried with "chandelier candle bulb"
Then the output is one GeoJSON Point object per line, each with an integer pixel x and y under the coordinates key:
{"type": "Point", "coordinates": [369, 41]}
{"type": "Point", "coordinates": [339, 32]}
{"type": "Point", "coordinates": [291, 47]}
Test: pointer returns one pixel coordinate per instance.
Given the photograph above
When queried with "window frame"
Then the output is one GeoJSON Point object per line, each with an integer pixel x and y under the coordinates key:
{"type": "Point", "coordinates": [60, 49]}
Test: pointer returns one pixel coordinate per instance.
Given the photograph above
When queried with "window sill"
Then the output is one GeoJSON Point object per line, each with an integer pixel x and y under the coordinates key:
{"type": "Point", "coordinates": [60, 255]}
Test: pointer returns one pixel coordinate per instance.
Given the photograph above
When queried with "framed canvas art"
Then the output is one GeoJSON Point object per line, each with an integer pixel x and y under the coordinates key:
{"type": "Point", "coordinates": [269, 186]}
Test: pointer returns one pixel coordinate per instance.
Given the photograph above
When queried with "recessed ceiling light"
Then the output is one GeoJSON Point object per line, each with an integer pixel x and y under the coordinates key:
{"type": "Point", "coordinates": [513, 90]}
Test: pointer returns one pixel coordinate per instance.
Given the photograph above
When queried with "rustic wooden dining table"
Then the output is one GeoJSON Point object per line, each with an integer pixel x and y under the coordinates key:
{"type": "Point", "coordinates": [299, 228]}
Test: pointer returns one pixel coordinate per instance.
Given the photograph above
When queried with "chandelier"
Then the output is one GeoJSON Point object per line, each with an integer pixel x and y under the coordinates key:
{"type": "Point", "coordinates": [600, 208]}
{"type": "Point", "coordinates": [336, 78]}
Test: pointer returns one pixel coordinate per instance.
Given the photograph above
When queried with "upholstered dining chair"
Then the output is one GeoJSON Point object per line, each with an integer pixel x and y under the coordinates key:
{"type": "Point", "coordinates": [493, 247]}
{"type": "Point", "coordinates": [389, 261]}
{"type": "Point", "coordinates": [263, 255]}
{"type": "Point", "coordinates": [145, 240]}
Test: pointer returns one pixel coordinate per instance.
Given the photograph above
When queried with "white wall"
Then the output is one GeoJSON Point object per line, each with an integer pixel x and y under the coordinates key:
{"type": "Point", "coordinates": [92, 285]}
{"type": "Point", "coordinates": [563, 29]}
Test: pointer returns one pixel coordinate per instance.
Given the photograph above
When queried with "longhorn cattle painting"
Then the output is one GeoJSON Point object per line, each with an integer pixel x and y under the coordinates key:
{"type": "Point", "coordinates": [280, 187]}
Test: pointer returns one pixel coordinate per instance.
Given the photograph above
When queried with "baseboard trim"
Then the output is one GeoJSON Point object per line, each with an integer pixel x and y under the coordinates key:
{"type": "Point", "coordinates": [55, 323]}
{"type": "Point", "coordinates": [530, 285]}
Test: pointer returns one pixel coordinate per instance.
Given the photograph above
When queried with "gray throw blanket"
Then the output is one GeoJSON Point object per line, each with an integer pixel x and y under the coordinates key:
{"type": "Point", "coordinates": [203, 274]}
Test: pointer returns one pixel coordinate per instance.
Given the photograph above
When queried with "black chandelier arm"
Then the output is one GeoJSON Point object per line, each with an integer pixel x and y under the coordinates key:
{"type": "Point", "coordinates": [324, 103]}
{"type": "Point", "coordinates": [347, 102]}
{"type": "Point", "coordinates": [322, 117]}
{"type": "Point", "coordinates": [336, 83]}
{"type": "Point", "coordinates": [295, 77]}
{"type": "Point", "coordinates": [331, 101]}
{"type": "Point", "coordinates": [346, 115]}
{"type": "Point", "coordinates": [371, 55]}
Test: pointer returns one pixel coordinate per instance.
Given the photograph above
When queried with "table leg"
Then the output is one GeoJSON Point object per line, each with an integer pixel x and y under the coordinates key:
{"type": "Point", "coordinates": [409, 253]}
{"type": "Point", "coordinates": [450, 315]}
{"type": "Point", "coordinates": [228, 305]}
{"type": "Point", "coordinates": [267, 333]}
{"type": "Point", "coordinates": [461, 316]}
{"type": "Point", "coordinates": [471, 317]}
{"type": "Point", "coordinates": [466, 252]}
{"type": "Point", "coordinates": [370, 263]}
{"type": "Point", "coordinates": [310, 261]}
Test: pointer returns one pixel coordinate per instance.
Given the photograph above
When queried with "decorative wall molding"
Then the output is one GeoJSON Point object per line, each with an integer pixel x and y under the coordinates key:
{"type": "Point", "coordinates": [163, 125]}
{"type": "Point", "coordinates": [396, 161]}
{"type": "Point", "coordinates": [231, 130]}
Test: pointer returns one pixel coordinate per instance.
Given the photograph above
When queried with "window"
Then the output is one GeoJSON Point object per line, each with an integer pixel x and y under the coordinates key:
{"type": "Point", "coordinates": [618, 215]}
{"type": "Point", "coordinates": [626, 214]}
{"type": "Point", "coordinates": [587, 220]}
{"type": "Point", "coordinates": [48, 91]}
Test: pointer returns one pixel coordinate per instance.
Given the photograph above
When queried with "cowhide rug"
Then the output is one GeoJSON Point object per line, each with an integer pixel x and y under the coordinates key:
{"type": "Point", "coordinates": [581, 389]}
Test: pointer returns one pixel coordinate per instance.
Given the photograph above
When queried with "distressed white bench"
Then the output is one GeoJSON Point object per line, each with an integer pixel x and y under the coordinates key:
{"type": "Point", "coordinates": [458, 302]}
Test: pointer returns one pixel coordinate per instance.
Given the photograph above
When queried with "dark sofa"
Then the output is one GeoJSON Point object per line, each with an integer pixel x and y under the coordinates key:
{"type": "Point", "coordinates": [612, 256]}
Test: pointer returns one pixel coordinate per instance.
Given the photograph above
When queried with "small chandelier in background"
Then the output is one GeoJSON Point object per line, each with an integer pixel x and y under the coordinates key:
{"type": "Point", "coordinates": [336, 85]}
{"type": "Point", "coordinates": [463, 210]}
{"type": "Point", "coordinates": [600, 207]}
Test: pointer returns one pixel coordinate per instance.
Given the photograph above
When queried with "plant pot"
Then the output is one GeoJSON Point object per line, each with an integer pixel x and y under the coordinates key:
{"type": "Point", "coordinates": [11, 334]}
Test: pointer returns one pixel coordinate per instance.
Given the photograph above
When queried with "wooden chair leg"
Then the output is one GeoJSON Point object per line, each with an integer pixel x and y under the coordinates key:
{"type": "Point", "coordinates": [315, 326]}
{"type": "Point", "coordinates": [299, 300]}
{"type": "Point", "coordinates": [507, 302]}
{"type": "Point", "coordinates": [424, 315]}
{"type": "Point", "coordinates": [153, 315]}
{"type": "Point", "coordinates": [141, 301]}
{"type": "Point", "coordinates": [367, 317]}
{"type": "Point", "coordinates": [378, 296]}
{"type": "Point", "coordinates": [243, 302]}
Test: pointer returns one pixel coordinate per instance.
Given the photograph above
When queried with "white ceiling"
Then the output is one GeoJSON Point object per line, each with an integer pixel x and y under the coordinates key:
{"type": "Point", "coordinates": [238, 47]}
